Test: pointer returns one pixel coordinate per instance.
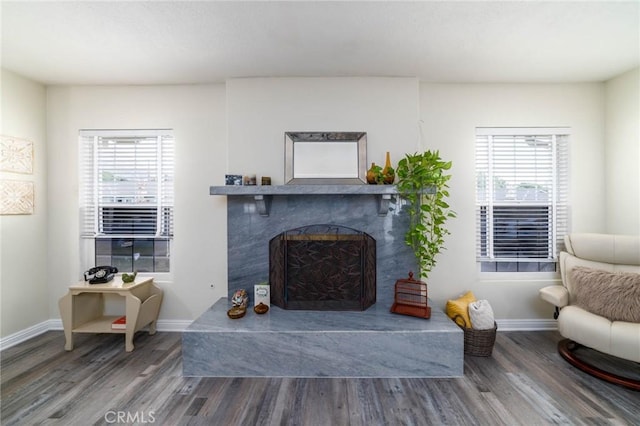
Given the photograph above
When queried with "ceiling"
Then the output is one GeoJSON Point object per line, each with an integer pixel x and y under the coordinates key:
{"type": "Point", "coordinates": [180, 42]}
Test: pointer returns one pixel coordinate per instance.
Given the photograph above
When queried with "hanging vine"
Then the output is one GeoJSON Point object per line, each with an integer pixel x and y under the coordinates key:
{"type": "Point", "coordinates": [423, 182]}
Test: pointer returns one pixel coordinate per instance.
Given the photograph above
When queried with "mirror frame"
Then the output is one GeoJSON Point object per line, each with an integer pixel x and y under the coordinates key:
{"type": "Point", "coordinates": [291, 138]}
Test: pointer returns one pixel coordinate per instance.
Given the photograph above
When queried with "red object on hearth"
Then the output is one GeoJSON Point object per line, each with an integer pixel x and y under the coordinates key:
{"type": "Point", "coordinates": [411, 298]}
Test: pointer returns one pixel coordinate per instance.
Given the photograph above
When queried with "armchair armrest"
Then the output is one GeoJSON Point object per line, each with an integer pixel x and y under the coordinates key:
{"type": "Point", "coordinates": [557, 295]}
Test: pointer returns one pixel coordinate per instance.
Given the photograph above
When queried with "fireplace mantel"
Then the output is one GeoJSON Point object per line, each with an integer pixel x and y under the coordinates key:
{"type": "Point", "coordinates": [262, 193]}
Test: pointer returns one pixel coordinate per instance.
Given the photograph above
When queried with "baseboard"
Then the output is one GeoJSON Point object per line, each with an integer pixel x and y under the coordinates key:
{"type": "Point", "coordinates": [56, 325]}
{"type": "Point", "coordinates": [181, 325]}
{"type": "Point", "coordinates": [503, 325]}
{"type": "Point", "coordinates": [526, 324]}
{"type": "Point", "coordinates": [24, 335]}
{"type": "Point", "coordinates": [173, 325]}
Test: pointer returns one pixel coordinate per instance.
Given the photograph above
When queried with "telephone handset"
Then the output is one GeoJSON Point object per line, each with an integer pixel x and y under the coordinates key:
{"type": "Point", "coordinates": [100, 274]}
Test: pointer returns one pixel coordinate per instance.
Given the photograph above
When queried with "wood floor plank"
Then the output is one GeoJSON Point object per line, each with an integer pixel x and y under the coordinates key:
{"type": "Point", "coordinates": [524, 382]}
{"type": "Point", "coordinates": [265, 415]}
{"type": "Point", "coordinates": [324, 403]}
{"type": "Point", "coordinates": [368, 400]}
{"type": "Point", "coordinates": [282, 412]}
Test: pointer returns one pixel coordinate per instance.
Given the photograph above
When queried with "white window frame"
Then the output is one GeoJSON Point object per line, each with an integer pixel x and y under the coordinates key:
{"type": "Point", "coordinates": [487, 196]}
{"type": "Point", "coordinates": [160, 197]}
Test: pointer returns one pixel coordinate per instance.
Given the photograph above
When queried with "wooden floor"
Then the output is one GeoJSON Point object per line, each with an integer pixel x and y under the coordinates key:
{"type": "Point", "coordinates": [524, 382]}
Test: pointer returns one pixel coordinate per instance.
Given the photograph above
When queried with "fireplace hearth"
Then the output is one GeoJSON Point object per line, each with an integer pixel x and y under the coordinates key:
{"type": "Point", "coordinates": [369, 343]}
{"type": "Point", "coordinates": [323, 267]}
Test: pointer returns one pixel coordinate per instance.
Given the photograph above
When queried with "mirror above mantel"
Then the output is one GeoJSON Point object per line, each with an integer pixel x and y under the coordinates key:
{"type": "Point", "coordinates": [327, 158]}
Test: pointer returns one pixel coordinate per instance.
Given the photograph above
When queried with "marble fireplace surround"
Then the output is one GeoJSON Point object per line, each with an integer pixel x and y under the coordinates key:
{"type": "Point", "coordinates": [255, 214]}
{"type": "Point", "coordinates": [370, 343]}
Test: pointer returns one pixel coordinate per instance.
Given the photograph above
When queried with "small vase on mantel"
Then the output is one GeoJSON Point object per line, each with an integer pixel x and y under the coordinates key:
{"type": "Point", "coordinates": [388, 174]}
{"type": "Point", "coordinates": [374, 174]}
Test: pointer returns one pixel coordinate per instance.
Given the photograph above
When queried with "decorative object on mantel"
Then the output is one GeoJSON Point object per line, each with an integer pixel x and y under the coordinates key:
{"type": "Point", "coordinates": [428, 210]}
{"type": "Point", "coordinates": [325, 158]}
{"type": "Point", "coordinates": [388, 174]}
{"type": "Point", "coordinates": [250, 180]}
{"type": "Point", "coordinates": [235, 180]}
{"type": "Point", "coordinates": [411, 298]}
{"type": "Point", "coordinates": [239, 301]}
{"type": "Point", "coordinates": [377, 175]}
{"type": "Point", "coordinates": [374, 174]}
{"type": "Point", "coordinates": [266, 180]}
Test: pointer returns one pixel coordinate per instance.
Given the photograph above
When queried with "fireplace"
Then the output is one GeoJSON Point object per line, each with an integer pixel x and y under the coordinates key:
{"type": "Point", "coordinates": [249, 232]}
{"type": "Point", "coordinates": [323, 267]}
{"type": "Point", "coordinates": [369, 343]}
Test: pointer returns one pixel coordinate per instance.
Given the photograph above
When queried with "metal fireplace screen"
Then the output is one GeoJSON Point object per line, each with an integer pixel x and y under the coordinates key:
{"type": "Point", "coordinates": [323, 267]}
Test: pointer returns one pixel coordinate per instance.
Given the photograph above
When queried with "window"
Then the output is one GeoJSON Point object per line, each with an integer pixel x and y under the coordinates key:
{"type": "Point", "coordinates": [127, 197]}
{"type": "Point", "coordinates": [521, 198]}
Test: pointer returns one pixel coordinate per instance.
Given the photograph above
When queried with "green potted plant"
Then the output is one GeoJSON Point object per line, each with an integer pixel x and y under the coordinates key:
{"type": "Point", "coordinates": [423, 182]}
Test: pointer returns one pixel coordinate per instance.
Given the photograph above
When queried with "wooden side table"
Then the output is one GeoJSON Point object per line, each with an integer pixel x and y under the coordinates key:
{"type": "Point", "coordinates": [82, 308]}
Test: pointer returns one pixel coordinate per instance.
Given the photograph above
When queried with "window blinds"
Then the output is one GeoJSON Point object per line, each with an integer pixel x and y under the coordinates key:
{"type": "Point", "coordinates": [522, 182]}
{"type": "Point", "coordinates": [127, 183]}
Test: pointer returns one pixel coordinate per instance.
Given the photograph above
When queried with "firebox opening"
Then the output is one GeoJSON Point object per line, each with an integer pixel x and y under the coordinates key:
{"type": "Point", "coordinates": [323, 267]}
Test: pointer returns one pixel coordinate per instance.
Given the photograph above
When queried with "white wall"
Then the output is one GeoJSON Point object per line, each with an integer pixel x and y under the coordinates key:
{"type": "Point", "coordinates": [261, 110]}
{"type": "Point", "coordinates": [623, 153]}
{"type": "Point", "coordinates": [238, 128]}
{"type": "Point", "coordinates": [23, 238]}
{"type": "Point", "coordinates": [450, 114]}
{"type": "Point", "coordinates": [197, 115]}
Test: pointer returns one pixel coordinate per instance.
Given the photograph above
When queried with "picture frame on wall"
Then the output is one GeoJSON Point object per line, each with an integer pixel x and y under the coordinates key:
{"type": "Point", "coordinates": [16, 197]}
{"type": "Point", "coordinates": [16, 155]}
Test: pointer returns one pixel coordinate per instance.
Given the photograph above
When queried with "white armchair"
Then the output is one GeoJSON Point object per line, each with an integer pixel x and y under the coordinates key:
{"type": "Point", "coordinates": [583, 304]}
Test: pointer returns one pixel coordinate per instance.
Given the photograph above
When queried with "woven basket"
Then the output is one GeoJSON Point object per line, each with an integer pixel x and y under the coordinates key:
{"type": "Point", "coordinates": [479, 342]}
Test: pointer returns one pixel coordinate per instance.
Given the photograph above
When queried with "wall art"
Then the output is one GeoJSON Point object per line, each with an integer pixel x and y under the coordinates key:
{"type": "Point", "coordinates": [16, 197]}
{"type": "Point", "coordinates": [16, 155]}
